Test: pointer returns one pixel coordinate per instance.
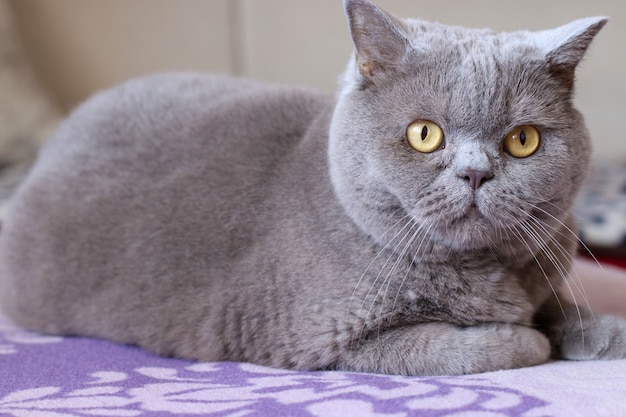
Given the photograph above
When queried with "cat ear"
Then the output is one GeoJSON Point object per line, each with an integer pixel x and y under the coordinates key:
{"type": "Point", "coordinates": [565, 46]}
{"type": "Point", "coordinates": [378, 37]}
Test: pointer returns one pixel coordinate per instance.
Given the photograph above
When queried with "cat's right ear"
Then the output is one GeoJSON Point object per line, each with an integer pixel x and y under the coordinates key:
{"type": "Point", "coordinates": [379, 39]}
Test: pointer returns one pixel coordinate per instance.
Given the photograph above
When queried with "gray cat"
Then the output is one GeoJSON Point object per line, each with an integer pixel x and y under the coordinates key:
{"type": "Point", "coordinates": [418, 223]}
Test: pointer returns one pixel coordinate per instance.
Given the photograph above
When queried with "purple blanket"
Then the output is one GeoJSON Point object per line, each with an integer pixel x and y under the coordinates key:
{"type": "Point", "coordinates": [50, 376]}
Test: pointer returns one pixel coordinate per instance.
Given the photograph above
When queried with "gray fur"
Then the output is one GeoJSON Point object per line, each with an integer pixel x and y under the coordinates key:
{"type": "Point", "coordinates": [213, 218]}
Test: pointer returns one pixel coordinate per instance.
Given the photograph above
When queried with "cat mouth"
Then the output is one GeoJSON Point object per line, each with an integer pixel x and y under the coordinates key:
{"type": "Point", "coordinates": [473, 214]}
{"type": "Point", "coordinates": [472, 210]}
{"type": "Point", "coordinates": [467, 218]}
{"type": "Point", "coordinates": [470, 219]}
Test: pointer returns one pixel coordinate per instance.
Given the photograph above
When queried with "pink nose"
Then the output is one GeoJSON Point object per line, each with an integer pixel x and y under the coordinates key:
{"type": "Point", "coordinates": [475, 178]}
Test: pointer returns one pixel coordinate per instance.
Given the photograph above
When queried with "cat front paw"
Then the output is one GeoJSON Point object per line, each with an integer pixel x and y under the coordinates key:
{"type": "Point", "coordinates": [506, 346]}
{"type": "Point", "coordinates": [602, 338]}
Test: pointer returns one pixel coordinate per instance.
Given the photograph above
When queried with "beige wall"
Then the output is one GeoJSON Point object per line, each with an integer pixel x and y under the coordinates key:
{"type": "Point", "coordinates": [83, 45]}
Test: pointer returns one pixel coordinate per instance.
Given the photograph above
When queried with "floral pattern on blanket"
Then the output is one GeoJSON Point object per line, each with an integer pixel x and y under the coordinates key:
{"type": "Point", "coordinates": [53, 377]}
{"type": "Point", "coordinates": [239, 389]}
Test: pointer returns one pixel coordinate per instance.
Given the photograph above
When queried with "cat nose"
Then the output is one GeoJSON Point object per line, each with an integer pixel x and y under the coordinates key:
{"type": "Point", "coordinates": [475, 177]}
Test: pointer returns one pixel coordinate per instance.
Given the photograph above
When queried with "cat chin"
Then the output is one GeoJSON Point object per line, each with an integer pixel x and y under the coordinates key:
{"type": "Point", "coordinates": [473, 228]}
{"type": "Point", "coordinates": [475, 234]}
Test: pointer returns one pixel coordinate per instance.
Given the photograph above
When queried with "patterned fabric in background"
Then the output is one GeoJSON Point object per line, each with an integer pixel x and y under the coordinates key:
{"type": "Point", "coordinates": [601, 207]}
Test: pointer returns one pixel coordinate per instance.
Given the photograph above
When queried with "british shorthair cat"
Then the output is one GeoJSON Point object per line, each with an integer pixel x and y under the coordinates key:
{"type": "Point", "coordinates": [416, 223]}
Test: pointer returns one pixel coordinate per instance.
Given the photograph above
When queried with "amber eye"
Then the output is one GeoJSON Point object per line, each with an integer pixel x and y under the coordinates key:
{"type": "Point", "coordinates": [424, 136]}
{"type": "Point", "coordinates": [522, 142]}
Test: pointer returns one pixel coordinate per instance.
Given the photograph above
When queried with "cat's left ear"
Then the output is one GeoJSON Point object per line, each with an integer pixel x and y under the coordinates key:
{"type": "Point", "coordinates": [565, 46]}
{"type": "Point", "coordinates": [379, 38]}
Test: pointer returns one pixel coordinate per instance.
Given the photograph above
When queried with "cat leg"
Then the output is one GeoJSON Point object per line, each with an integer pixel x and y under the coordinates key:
{"type": "Point", "coordinates": [599, 337]}
{"type": "Point", "coordinates": [447, 349]}
{"type": "Point", "coordinates": [576, 333]}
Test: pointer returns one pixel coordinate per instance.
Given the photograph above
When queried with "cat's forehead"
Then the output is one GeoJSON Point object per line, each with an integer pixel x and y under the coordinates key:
{"type": "Point", "coordinates": [477, 77]}
{"type": "Point", "coordinates": [464, 78]}
{"type": "Point", "coordinates": [435, 37]}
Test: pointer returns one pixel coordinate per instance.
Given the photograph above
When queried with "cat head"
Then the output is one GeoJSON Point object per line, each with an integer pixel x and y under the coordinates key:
{"type": "Point", "coordinates": [454, 135]}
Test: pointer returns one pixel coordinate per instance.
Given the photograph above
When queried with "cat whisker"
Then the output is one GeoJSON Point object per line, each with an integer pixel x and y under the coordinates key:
{"type": "Point", "coordinates": [564, 275]}
{"type": "Point", "coordinates": [518, 234]}
{"type": "Point", "coordinates": [405, 231]}
{"type": "Point", "coordinates": [388, 279]}
{"type": "Point", "coordinates": [379, 252]}
{"type": "Point", "coordinates": [544, 247]}
{"type": "Point", "coordinates": [389, 258]}
{"type": "Point", "coordinates": [398, 260]}
{"type": "Point", "coordinates": [576, 282]}
{"type": "Point", "coordinates": [578, 239]}
{"type": "Point", "coordinates": [417, 253]}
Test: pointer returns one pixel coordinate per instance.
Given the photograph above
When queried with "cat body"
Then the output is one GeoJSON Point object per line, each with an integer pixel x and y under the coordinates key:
{"type": "Point", "coordinates": [215, 218]}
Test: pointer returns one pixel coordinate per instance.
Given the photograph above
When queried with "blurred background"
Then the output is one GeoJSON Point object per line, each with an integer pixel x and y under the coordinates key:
{"type": "Point", "coordinates": [79, 46]}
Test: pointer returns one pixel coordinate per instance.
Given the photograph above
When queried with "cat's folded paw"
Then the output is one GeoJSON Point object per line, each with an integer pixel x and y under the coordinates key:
{"type": "Point", "coordinates": [507, 346]}
{"type": "Point", "coordinates": [602, 338]}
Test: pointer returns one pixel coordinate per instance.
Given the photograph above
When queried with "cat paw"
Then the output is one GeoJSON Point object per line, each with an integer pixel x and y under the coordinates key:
{"type": "Point", "coordinates": [602, 338]}
{"type": "Point", "coordinates": [447, 349]}
{"type": "Point", "coordinates": [507, 346]}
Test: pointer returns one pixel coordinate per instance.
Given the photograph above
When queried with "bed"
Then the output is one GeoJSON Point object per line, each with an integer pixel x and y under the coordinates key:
{"type": "Point", "coordinates": [72, 376]}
